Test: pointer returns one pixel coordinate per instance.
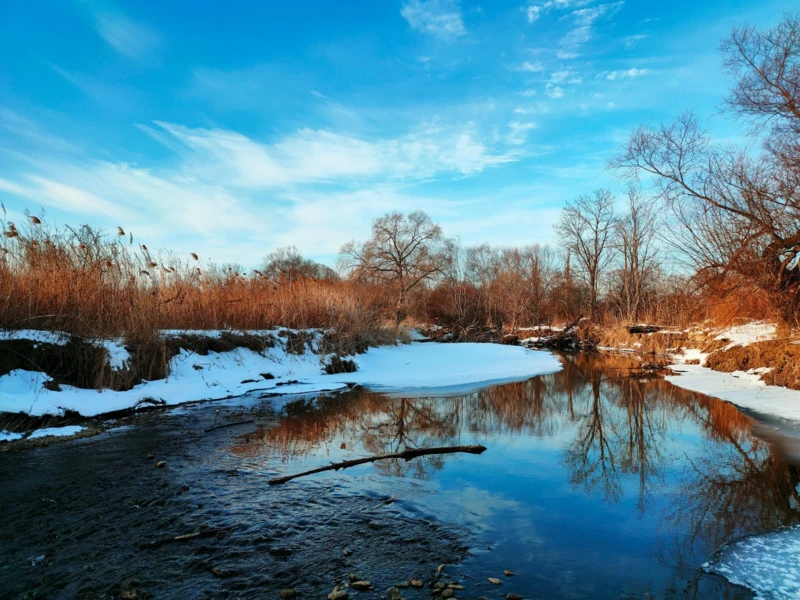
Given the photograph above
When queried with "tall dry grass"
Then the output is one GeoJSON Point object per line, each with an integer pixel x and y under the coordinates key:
{"type": "Point", "coordinates": [96, 284]}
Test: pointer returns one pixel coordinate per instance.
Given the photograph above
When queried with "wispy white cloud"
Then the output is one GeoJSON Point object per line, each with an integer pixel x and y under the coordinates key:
{"type": "Point", "coordinates": [440, 18]}
{"type": "Point", "coordinates": [539, 108]}
{"type": "Point", "coordinates": [534, 11]}
{"type": "Point", "coordinates": [554, 91]}
{"type": "Point", "coordinates": [223, 185]}
{"type": "Point", "coordinates": [632, 40]}
{"type": "Point", "coordinates": [566, 55]}
{"type": "Point", "coordinates": [577, 36]}
{"type": "Point", "coordinates": [585, 19]}
{"type": "Point", "coordinates": [126, 36]}
{"type": "Point", "coordinates": [310, 155]}
{"type": "Point", "coordinates": [530, 67]}
{"type": "Point", "coordinates": [565, 77]}
{"type": "Point", "coordinates": [624, 74]}
{"type": "Point", "coordinates": [587, 16]}
{"type": "Point", "coordinates": [518, 132]}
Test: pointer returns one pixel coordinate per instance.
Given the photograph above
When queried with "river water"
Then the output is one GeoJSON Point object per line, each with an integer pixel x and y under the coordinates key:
{"type": "Point", "coordinates": [595, 484]}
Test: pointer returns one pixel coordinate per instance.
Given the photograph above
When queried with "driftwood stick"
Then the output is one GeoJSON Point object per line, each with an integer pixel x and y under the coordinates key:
{"type": "Point", "coordinates": [406, 455]}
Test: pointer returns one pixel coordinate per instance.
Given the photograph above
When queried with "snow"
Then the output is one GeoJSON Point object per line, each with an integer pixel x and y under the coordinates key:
{"type": "Point", "coordinates": [744, 390]}
{"type": "Point", "coordinates": [416, 366]}
{"type": "Point", "coordinates": [117, 354]}
{"type": "Point", "coordinates": [768, 564]}
{"type": "Point", "coordinates": [55, 432]}
{"type": "Point", "coordinates": [744, 335]}
{"type": "Point", "coordinates": [45, 337]}
{"type": "Point", "coordinates": [9, 436]}
{"type": "Point", "coordinates": [434, 366]}
{"type": "Point", "coordinates": [691, 354]}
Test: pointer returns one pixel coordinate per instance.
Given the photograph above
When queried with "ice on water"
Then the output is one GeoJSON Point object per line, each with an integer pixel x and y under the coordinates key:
{"type": "Point", "coordinates": [768, 564]}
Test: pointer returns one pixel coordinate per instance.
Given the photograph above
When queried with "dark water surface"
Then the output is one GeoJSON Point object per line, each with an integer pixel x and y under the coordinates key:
{"type": "Point", "coordinates": [594, 485]}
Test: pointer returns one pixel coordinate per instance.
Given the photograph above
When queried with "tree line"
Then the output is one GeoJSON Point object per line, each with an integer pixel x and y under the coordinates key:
{"type": "Point", "coordinates": [700, 227]}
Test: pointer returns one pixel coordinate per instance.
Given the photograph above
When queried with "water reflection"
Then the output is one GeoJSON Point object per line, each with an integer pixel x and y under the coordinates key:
{"type": "Point", "coordinates": [672, 474]}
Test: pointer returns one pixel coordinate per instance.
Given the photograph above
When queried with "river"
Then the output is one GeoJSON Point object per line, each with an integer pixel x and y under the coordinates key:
{"type": "Point", "coordinates": [595, 484]}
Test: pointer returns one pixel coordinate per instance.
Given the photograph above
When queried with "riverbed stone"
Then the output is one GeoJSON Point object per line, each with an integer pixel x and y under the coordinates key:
{"type": "Point", "coordinates": [448, 593]}
{"type": "Point", "coordinates": [338, 595]}
{"type": "Point", "coordinates": [416, 583]}
{"type": "Point", "coordinates": [161, 464]}
{"type": "Point", "coordinates": [353, 577]}
{"type": "Point", "coordinates": [494, 580]}
{"type": "Point", "coordinates": [455, 586]}
{"type": "Point", "coordinates": [361, 585]}
{"type": "Point", "coordinates": [513, 597]}
{"type": "Point", "coordinates": [288, 594]}
{"type": "Point", "coordinates": [508, 573]}
{"type": "Point", "coordinates": [393, 593]}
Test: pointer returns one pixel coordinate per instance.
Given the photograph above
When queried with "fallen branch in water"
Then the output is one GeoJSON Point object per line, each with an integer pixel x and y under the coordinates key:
{"type": "Point", "coordinates": [406, 455]}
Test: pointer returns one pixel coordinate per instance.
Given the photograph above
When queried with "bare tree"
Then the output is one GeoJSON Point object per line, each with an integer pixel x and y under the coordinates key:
{"type": "Point", "coordinates": [634, 240]}
{"type": "Point", "coordinates": [288, 264]}
{"type": "Point", "coordinates": [403, 252]}
{"type": "Point", "coordinates": [586, 229]}
{"type": "Point", "coordinates": [738, 211]}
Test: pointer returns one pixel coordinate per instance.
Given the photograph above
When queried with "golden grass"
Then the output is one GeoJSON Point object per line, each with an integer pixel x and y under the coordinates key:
{"type": "Point", "coordinates": [97, 285]}
{"type": "Point", "coordinates": [781, 356]}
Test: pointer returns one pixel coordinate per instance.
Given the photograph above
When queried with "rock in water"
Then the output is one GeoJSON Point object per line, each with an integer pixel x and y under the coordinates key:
{"type": "Point", "coordinates": [448, 593]}
{"type": "Point", "coordinates": [288, 594]}
{"type": "Point", "coordinates": [508, 573]}
{"type": "Point", "coordinates": [353, 577]}
{"type": "Point", "coordinates": [338, 595]}
{"type": "Point", "coordinates": [455, 586]}
{"type": "Point", "coordinates": [161, 464]}
{"type": "Point", "coordinates": [416, 583]}
{"type": "Point", "coordinates": [361, 585]}
{"type": "Point", "coordinates": [223, 572]}
{"type": "Point", "coordinates": [393, 593]}
{"type": "Point", "coordinates": [513, 597]}
{"type": "Point", "coordinates": [494, 580]}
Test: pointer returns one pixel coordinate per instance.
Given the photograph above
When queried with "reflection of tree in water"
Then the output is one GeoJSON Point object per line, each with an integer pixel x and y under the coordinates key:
{"type": "Point", "coordinates": [617, 430]}
{"type": "Point", "coordinates": [382, 425]}
{"type": "Point", "coordinates": [620, 427]}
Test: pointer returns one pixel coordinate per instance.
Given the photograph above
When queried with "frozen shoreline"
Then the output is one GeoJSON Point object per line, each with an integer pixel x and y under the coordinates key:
{"type": "Point", "coordinates": [416, 368]}
{"type": "Point", "coordinates": [744, 390]}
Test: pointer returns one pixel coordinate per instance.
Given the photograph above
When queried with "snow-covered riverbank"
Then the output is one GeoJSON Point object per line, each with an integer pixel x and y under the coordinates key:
{"type": "Point", "coordinates": [413, 368]}
{"type": "Point", "coordinates": [742, 389]}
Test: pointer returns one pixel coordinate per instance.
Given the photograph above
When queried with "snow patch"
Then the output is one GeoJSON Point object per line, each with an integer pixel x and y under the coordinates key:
{"type": "Point", "coordinates": [767, 564]}
{"type": "Point", "coordinates": [744, 335]}
{"type": "Point", "coordinates": [117, 355]}
{"type": "Point", "coordinates": [220, 375]}
{"type": "Point", "coordinates": [9, 436]}
{"type": "Point", "coordinates": [55, 432]}
{"type": "Point", "coordinates": [745, 390]}
{"type": "Point", "coordinates": [44, 337]}
{"type": "Point", "coordinates": [691, 354]}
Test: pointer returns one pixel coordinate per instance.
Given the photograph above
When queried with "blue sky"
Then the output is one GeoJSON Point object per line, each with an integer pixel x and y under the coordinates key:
{"type": "Point", "coordinates": [232, 128]}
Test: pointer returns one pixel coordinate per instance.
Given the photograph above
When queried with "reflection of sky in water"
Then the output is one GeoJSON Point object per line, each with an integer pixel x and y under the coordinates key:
{"type": "Point", "coordinates": [593, 485]}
